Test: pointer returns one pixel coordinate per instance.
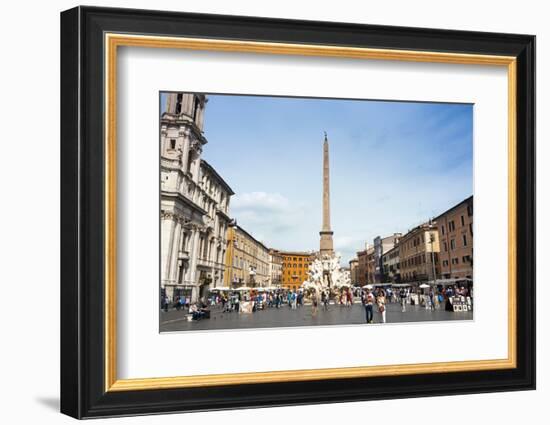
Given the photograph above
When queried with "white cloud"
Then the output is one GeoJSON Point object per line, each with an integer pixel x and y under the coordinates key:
{"type": "Point", "coordinates": [260, 201]}
{"type": "Point", "coordinates": [274, 219]}
{"type": "Point", "coordinates": [348, 246]}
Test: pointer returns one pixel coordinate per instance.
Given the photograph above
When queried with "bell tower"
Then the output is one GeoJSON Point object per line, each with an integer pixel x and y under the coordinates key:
{"type": "Point", "coordinates": [187, 106]}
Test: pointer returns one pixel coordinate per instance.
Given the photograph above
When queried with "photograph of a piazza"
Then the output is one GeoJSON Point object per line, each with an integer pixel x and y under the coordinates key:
{"type": "Point", "coordinates": [288, 211]}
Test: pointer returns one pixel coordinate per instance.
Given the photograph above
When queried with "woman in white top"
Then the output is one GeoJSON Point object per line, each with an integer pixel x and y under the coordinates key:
{"type": "Point", "coordinates": [381, 302]}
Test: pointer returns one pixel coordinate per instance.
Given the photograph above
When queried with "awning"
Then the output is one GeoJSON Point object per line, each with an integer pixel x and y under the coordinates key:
{"type": "Point", "coordinates": [452, 281]}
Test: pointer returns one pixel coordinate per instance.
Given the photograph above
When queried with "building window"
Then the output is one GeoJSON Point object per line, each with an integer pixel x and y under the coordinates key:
{"type": "Point", "coordinates": [462, 220]}
{"type": "Point", "coordinates": [179, 99]}
{"type": "Point", "coordinates": [451, 226]}
{"type": "Point", "coordinates": [453, 245]}
{"type": "Point", "coordinates": [445, 246]}
{"type": "Point", "coordinates": [172, 143]}
{"type": "Point", "coordinates": [464, 240]}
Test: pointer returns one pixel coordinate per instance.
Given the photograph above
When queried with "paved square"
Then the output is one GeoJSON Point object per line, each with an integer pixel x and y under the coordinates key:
{"type": "Point", "coordinates": [174, 320]}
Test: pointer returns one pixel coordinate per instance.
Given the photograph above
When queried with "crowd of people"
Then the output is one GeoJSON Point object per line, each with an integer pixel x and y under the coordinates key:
{"type": "Point", "coordinates": [369, 297]}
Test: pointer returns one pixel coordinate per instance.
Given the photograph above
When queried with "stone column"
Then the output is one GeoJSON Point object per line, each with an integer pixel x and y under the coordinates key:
{"type": "Point", "coordinates": [184, 150]}
{"type": "Point", "coordinates": [167, 241]}
{"type": "Point", "coordinates": [196, 165]}
{"type": "Point", "coordinates": [193, 257]}
{"type": "Point", "coordinates": [189, 102]}
{"type": "Point", "coordinates": [175, 251]}
{"type": "Point", "coordinates": [171, 99]}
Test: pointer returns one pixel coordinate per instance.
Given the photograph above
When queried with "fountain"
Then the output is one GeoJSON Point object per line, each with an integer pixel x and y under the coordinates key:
{"type": "Point", "coordinates": [326, 275]}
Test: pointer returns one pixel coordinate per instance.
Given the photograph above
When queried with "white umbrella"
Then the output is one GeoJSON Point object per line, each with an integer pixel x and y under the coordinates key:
{"type": "Point", "coordinates": [243, 288]}
{"type": "Point", "coordinates": [369, 286]}
{"type": "Point", "coordinates": [424, 285]}
{"type": "Point", "coordinates": [221, 288]}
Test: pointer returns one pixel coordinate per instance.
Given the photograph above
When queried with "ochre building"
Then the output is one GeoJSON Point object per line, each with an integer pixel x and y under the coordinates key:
{"type": "Point", "coordinates": [247, 259]}
{"type": "Point", "coordinates": [295, 268]}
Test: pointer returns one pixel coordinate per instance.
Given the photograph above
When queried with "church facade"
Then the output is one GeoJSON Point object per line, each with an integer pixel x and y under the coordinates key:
{"type": "Point", "coordinates": [194, 204]}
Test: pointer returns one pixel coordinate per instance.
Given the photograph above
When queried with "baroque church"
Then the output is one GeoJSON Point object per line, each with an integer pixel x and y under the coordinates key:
{"type": "Point", "coordinates": [194, 210]}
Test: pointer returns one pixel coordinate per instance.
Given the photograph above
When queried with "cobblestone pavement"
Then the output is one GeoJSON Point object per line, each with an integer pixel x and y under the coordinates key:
{"type": "Point", "coordinates": [285, 317]}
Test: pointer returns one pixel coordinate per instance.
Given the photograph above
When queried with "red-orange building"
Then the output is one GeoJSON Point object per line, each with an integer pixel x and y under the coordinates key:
{"type": "Point", "coordinates": [456, 235]}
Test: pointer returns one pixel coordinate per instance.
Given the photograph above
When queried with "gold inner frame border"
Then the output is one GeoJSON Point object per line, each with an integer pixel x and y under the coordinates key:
{"type": "Point", "coordinates": [113, 40]}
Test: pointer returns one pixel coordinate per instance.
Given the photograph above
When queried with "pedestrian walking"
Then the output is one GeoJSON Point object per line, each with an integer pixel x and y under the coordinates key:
{"type": "Point", "coordinates": [403, 297]}
{"type": "Point", "coordinates": [369, 306]}
{"type": "Point", "coordinates": [324, 300]}
{"type": "Point", "coordinates": [349, 298]}
{"type": "Point", "coordinates": [381, 302]}
{"type": "Point", "coordinates": [315, 302]}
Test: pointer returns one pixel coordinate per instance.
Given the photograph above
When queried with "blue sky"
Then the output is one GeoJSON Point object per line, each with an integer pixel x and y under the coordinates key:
{"type": "Point", "coordinates": [393, 165]}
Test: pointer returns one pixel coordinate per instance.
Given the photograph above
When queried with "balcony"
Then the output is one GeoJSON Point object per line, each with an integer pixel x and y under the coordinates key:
{"type": "Point", "coordinates": [202, 262]}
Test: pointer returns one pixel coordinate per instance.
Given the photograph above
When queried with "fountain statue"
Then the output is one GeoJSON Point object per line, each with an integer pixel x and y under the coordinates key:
{"type": "Point", "coordinates": [325, 274]}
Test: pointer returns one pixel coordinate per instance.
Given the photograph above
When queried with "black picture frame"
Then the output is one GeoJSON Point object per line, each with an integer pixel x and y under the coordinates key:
{"type": "Point", "coordinates": [83, 392]}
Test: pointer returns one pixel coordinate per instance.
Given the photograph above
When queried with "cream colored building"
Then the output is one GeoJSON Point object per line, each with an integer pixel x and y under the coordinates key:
{"type": "Point", "coordinates": [390, 265]}
{"type": "Point", "coordinates": [353, 268]}
{"type": "Point", "coordinates": [275, 267]}
{"type": "Point", "coordinates": [246, 260]}
{"type": "Point", "coordinates": [415, 254]}
{"type": "Point", "coordinates": [194, 203]}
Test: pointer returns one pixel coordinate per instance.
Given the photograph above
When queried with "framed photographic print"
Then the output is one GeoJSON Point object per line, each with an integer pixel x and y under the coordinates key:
{"type": "Point", "coordinates": [261, 212]}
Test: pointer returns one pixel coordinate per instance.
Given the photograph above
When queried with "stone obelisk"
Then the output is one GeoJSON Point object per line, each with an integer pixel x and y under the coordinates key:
{"type": "Point", "coordinates": [326, 246]}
